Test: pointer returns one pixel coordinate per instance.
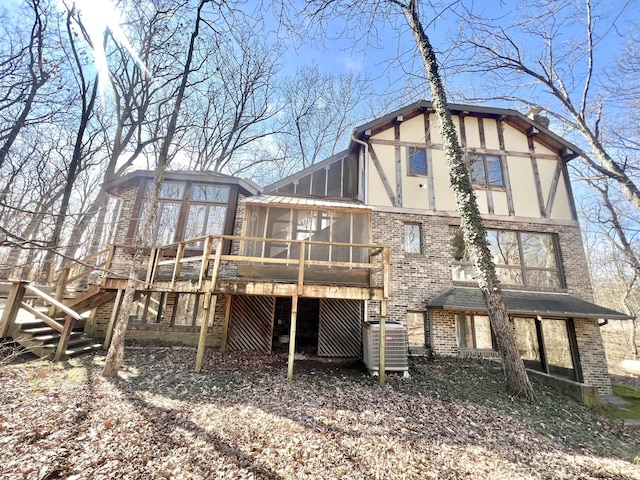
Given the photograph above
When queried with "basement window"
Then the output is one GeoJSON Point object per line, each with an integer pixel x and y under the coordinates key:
{"type": "Point", "coordinates": [547, 345]}
{"type": "Point", "coordinates": [474, 332]}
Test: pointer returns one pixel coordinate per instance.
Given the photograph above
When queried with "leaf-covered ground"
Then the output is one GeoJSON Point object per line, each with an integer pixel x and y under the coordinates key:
{"type": "Point", "coordinates": [243, 419]}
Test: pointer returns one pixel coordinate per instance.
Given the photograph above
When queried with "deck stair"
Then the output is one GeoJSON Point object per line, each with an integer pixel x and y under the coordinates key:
{"type": "Point", "coordinates": [42, 340]}
{"type": "Point", "coordinates": [55, 331]}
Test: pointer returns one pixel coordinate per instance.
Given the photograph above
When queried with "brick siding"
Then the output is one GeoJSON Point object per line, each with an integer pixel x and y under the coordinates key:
{"type": "Point", "coordinates": [417, 277]}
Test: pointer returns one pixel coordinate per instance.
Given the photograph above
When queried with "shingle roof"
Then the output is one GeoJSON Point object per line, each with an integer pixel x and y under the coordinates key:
{"type": "Point", "coordinates": [525, 303]}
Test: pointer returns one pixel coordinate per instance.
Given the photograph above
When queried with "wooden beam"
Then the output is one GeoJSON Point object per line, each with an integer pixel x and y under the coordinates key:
{"type": "Point", "coordinates": [54, 302]}
{"type": "Point", "coordinates": [303, 249]}
{"type": "Point", "coordinates": [292, 336]}
{"type": "Point", "coordinates": [178, 263]}
{"type": "Point", "coordinates": [60, 287]}
{"type": "Point", "coordinates": [536, 177]}
{"type": "Point", "coordinates": [206, 310]}
{"type": "Point", "coordinates": [398, 168]}
{"type": "Point", "coordinates": [202, 339]}
{"type": "Point", "coordinates": [383, 177]}
{"type": "Point", "coordinates": [63, 342]}
{"type": "Point", "coordinates": [16, 294]}
{"type": "Point", "coordinates": [225, 324]}
{"type": "Point", "coordinates": [552, 191]}
{"type": "Point", "coordinates": [207, 246]}
{"type": "Point", "coordinates": [112, 320]}
{"type": "Point", "coordinates": [45, 318]}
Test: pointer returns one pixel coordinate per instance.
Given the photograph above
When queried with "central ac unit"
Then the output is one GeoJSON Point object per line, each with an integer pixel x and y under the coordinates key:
{"type": "Point", "coordinates": [396, 347]}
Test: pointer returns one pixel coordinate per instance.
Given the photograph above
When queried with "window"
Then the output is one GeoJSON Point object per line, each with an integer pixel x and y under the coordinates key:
{"type": "Point", "coordinates": [545, 345]}
{"type": "Point", "coordinates": [286, 224]}
{"type": "Point", "coordinates": [521, 258]}
{"type": "Point", "coordinates": [474, 332]}
{"type": "Point", "coordinates": [188, 312]}
{"type": "Point", "coordinates": [207, 212]}
{"type": "Point", "coordinates": [205, 208]}
{"type": "Point", "coordinates": [417, 161]}
{"type": "Point", "coordinates": [486, 170]}
{"type": "Point", "coordinates": [415, 329]}
{"type": "Point", "coordinates": [412, 242]}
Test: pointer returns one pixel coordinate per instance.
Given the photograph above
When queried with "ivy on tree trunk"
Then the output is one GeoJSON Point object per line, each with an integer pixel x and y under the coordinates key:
{"type": "Point", "coordinates": [473, 231]}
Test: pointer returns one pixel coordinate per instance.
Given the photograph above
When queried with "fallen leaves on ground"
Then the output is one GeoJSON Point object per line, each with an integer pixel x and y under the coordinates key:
{"type": "Point", "coordinates": [242, 419]}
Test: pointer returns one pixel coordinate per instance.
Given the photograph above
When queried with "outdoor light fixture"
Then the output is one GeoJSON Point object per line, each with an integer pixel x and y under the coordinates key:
{"type": "Point", "coordinates": [422, 185]}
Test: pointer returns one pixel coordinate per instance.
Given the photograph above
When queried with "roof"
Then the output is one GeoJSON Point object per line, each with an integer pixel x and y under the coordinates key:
{"type": "Point", "coordinates": [289, 201]}
{"type": "Point", "coordinates": [246, 186]}
{"type": "Point", "coordinates": [515, 118]}
{"type": "Point", "coordinates": [545, 304]}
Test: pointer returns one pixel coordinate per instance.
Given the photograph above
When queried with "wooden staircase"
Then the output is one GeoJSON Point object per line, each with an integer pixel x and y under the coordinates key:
{"type": "Point", "coordinates": [54, 332]}
{"type": "Point", "coordinates": [42, 340]}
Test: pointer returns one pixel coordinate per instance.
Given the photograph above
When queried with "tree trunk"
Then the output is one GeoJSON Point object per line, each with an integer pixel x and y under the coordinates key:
{"type": "Point", "coordinates": [472, 228]}
{"type": "Point", "coordinates": [115, 355]}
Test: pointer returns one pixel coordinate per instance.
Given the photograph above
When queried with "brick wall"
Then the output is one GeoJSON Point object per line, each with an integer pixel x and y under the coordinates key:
{"type": "Point", "coordinates": [592, 356]}
{"type": "Point", "coordinates": [416, 278]}
{"type": "Point", "coordinates": [163, 331]}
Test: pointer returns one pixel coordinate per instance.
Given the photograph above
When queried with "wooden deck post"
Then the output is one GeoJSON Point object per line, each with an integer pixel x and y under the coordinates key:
{"type": "Point", "coordinates": [208, 305]}
{"type": "Point", "coordinates": [225, 325]}
{"type": "Point", "coordinates": [16, 294]}
{"type": "Point", "coordinates": [69, 322]}
{"type": "Point", "coordinates": [292, 336]}
{"type": "Point", "coordinates": [383, 341]}
{"type": "Point", "coordinates": [206, 309]}
{"type": "Point", "coordinates": [112, 320]}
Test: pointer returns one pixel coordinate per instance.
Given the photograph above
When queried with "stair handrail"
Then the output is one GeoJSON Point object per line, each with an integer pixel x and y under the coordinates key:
{"type": "Point", "coordinates": [59, 305]}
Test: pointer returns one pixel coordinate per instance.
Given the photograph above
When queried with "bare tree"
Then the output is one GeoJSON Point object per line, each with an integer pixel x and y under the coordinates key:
{"type": "Point", "coordinates": [115, 354]}
{"type": "Point", "coordinates": [23, 72]}
{"type": "Point", "coordinates": [472, 228]}
{"type": "Point", "coordinates": [233, 106]}
{"type": "Point", "coordinates": [320, 112]}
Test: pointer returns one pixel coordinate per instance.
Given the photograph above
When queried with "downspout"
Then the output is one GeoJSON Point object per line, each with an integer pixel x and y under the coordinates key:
{"type": "Point", "coordinates": [365, 185]}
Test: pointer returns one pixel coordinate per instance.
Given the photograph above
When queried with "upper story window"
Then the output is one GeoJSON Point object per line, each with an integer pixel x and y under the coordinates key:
{"type": "Point", "coordinates": [412, 238]}
{"type": "Point", "coordinates": [522, 258]}
{"type": "Point", "coordinates": [185, 211]}
{"type": "Point", "coordinates": [486, 170]}
{"type": "Point", "coordinates": [417, 160]}
{"type": "Point", "coordinates": [207, 212]}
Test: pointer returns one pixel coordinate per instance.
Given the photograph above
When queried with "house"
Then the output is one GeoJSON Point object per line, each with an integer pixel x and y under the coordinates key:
{"type": "Point", "coordinates": [370, 233]}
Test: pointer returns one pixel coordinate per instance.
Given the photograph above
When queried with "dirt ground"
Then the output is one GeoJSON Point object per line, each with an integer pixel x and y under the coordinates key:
{"type": "Point", "coordinates": [242, 419]}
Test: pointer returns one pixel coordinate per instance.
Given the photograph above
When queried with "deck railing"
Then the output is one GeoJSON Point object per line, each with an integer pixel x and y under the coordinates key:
{"type": "Point", "coordinates": [212, 257]}
{"type": "Point", "coordinates": [15, 303]}
{"type": "Point", "coordinates": [269, 259]}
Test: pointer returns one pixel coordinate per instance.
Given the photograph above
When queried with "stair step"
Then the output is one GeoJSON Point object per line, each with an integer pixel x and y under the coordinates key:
{"type": "Point", "coordinates": [72, 342]}
{"type": "Point", "coordinates": [35, 330]}
{"type": "Point", "coordinates": [53, 336]}
{"type": "Point", "coordinates": [84, 349]}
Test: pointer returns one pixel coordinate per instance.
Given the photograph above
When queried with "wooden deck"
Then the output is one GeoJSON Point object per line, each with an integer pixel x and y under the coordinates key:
{"type": "Point", "coordinates": [200, 266]}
